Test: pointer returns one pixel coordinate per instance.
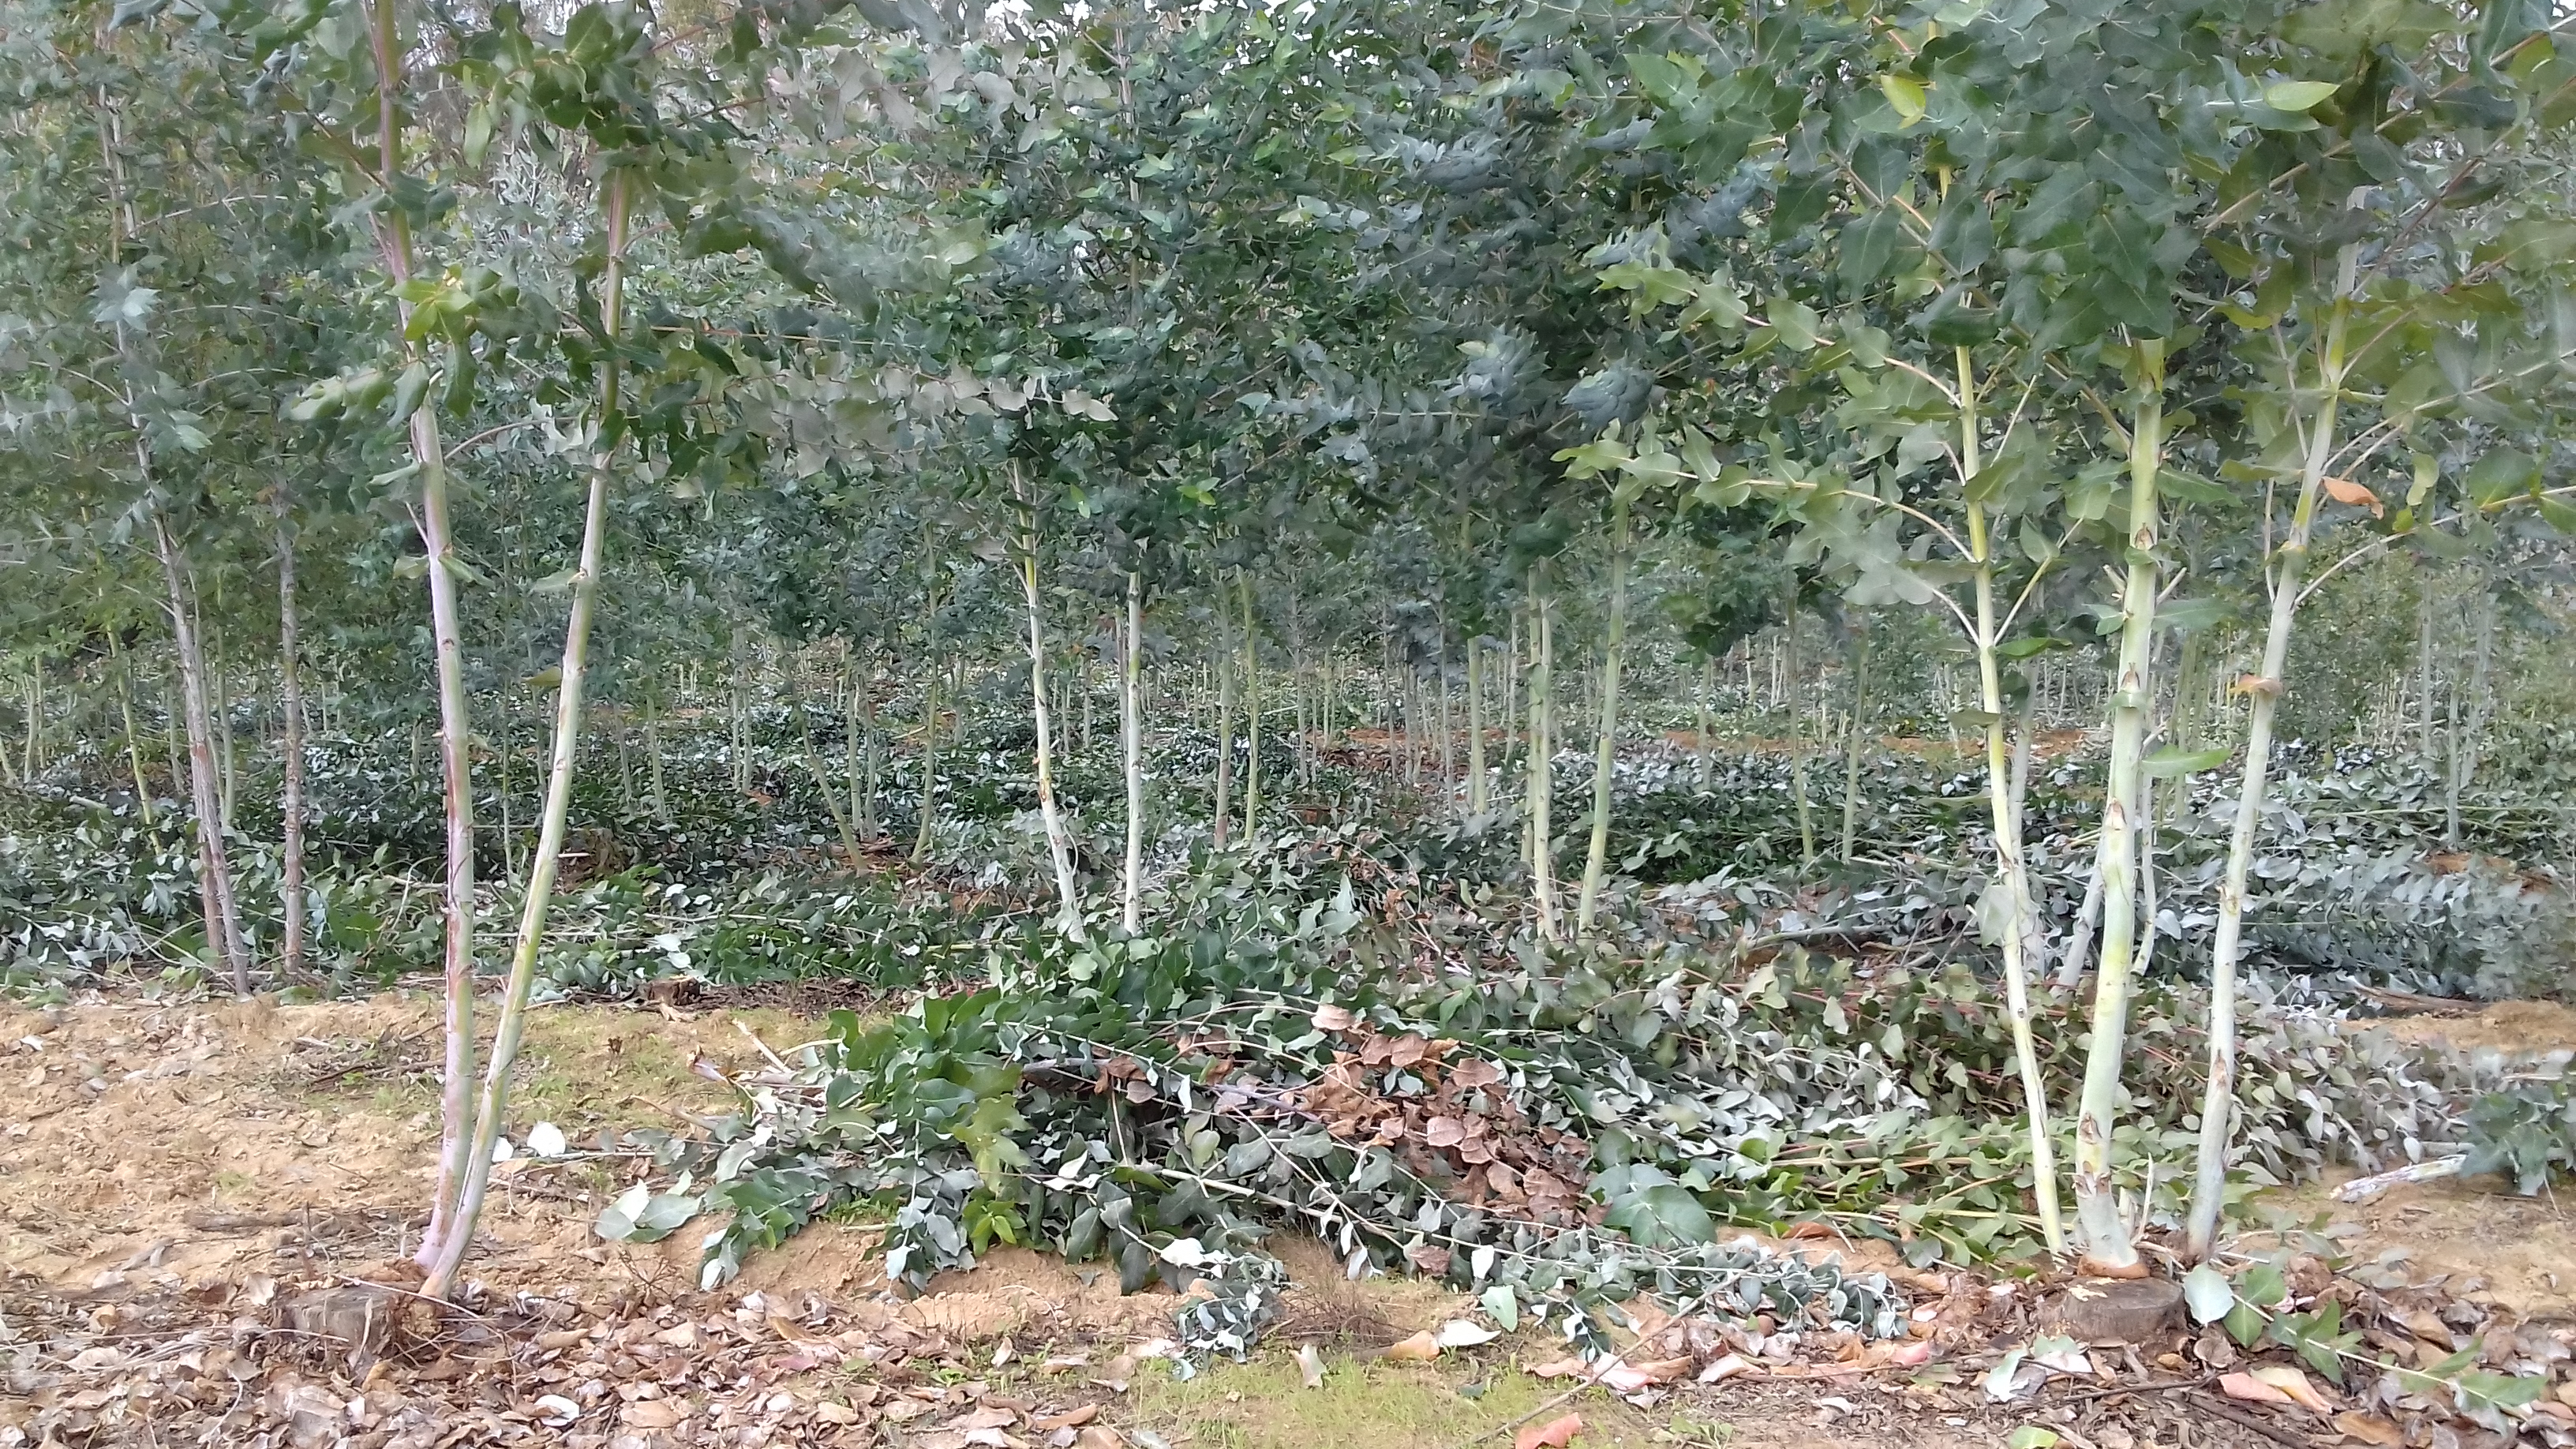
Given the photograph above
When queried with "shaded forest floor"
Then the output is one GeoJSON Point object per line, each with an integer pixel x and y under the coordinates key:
{"type": "Point", "coordinates": [181, 1181]}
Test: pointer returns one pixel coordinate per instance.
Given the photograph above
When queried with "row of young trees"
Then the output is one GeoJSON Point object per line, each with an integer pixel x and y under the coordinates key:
{"type": "Point", "coordinates": [536, 332]}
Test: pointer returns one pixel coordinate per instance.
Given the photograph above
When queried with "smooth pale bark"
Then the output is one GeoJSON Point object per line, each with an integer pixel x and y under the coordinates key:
{"type": "Point", "coordinates": [219, 686]}
{"type": "Point", "coordinates": [1131, 745]}
{"type": "Point", "coordinates": [1542, 748]}
{"type": "Point", "coordinates": [1475, 728]}
{"type": "Point", "coordinates": [1852, 745]}
{"type": "Point", "coordinates": [1794, 687]}
{"type": "Point", "coordinates": [653, 756]}
{"type": "Point", "coordinates": [455, 736]}
{"type": "Point", "coordinates": [865, 767]}
{"type": "Point", "coordinates": [2109, 1241]}
{"type": "Point", "coordinates": [1059, 844]}
{"type": "Point", "coordinates": [502, 749]}
{"type": "Point", "coordinates": [214, 871]}
{"type": "Point", "coordinates": [2010, 878]}
{"type": "Point", "coordinates": [494, 1100]}
{"type": "Point", "coordinates": [823, 785]}
{"type": "Point", "coordinates": [1223, 667]}
{"type": "Point", "coordinates": [1605, 744]}
{"type": "Point", "coordinates": [1706, 723]}
{"type": "Point", "coordinates": [291, 707]}
{"type": "Point", "coordinates": [2424, 672]}
{"type": "Point", "coordinates": [1251, 711]}
{"type": "Point", "coordinates": [929, 764]}
{"type": "Point", "coordinates": [2468, 719]}
{"type": "Point", "coordinates": [133, 740]}
{"type": "Point", "coordinates": [2218, 1101]}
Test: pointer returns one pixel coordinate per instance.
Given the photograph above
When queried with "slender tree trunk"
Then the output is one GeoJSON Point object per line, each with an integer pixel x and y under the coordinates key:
{"type": "Point", "coordinates": [2109, 1243]}
{"type": "Point", "coordinates": [1605, 745]}
{"type": "Point", "coordinates": [929, 762]}
{"type": "Point", "coordinates": [542, 865]}
{"type": "Point", "coordinates": [1251, 711]}
{"type": "Point", "coordinates": [1794, 685]}
{"type": "Point", "coordinates": [1059, 844]}
{"type": "Point", "coordinates": [1542, 749]}
{"type": "Point", "coordinates": [823, 786]}
{"type": "Point", "coordinates": [1131, 730]}
{"type": "Point", "coordinates": [1222, 665]}
{"type": "Point", "coordinates": [2468, 720]}
{"type": "Point", "coordinates": [219, 676]}
{"type": "Point", "coordinates": [291, 707]}
{"type": "Point", "coordinates": [8, 765]}
{"type": "Point", "coordinates": [653, 754]}
{"type": "Point", "coordinates": [2424, 671]}
{"type": "Point", "coordinates": [214, 871]}
{"type": "Point", "coordinates": [2010, 877]}
{"type": "Point", "coordinates": [502, 749]}
{"type": "Point", "coordinates": [865, 764]}
{"type": "Point", "coordinates": [32, 760]}
{"type": "Point", "coordinates": [133, 740]}
{"type": "Point", "coordinates": [1476, 784]}
{"type": "Point", "coordinates": [1852, 745]}
{"type": "Point", "coordinates": [2218, 1103]}
{"type": "Point", "coordinates": [1707, 724]}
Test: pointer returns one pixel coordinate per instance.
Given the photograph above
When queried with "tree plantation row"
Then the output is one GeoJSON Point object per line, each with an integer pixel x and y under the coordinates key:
{"type": "Point", "coordinates": [2034, 503]}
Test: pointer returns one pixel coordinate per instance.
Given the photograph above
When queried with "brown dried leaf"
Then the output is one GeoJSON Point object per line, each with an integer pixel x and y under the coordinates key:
{"type": "Point", "coordinates": [2344, 490]}
{"type": "Point", "coordinates": [2247, 1389]}
{"type": "Point", "coordinates": [1420, 1348]}
{"type": "Point", "coordinates": [1554, 1434]}
{"type": "Point", "coordinates": [1329, 1017]}
{"type": "Point", "coordinates": [654, 1413]}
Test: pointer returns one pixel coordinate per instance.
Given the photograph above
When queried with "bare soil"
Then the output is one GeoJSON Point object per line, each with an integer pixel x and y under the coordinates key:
{"type": "Point", "coordinates": [182, 1152]}
{"type": "Point", "coordinates": [2514, 1028]}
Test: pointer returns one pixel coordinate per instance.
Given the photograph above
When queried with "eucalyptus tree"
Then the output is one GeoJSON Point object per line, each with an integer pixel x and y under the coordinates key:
{"type": "Point", "coordinates": [162, 232]}
{"type": "Point", "coordinates": [2396, 234]}
{"type": "Point", "coordinates": [1912, 386]}
{"type": "Point", "coordinates": [648, 121]}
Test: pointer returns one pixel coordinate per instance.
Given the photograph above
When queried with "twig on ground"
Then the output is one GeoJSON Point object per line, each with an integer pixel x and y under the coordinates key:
{"type": "Point", "coordinates": [2208, 1403]}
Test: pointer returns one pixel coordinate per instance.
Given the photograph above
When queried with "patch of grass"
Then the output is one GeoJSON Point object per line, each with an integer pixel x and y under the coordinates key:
{"type": "Point", "coordinates": [1367, 1404]}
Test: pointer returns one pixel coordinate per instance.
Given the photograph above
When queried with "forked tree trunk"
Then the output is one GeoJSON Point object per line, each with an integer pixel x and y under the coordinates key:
{"type": "Point", "coordinates": [450, 1251]}
{"type": "Point", "coordinates": [823, 786]}
{"type": "Point", "coordinates": [214, 871]}
{"type": "Point", "coordinates": [291, 706]}
{"type": "Point", "coordinates": [2010, 877]}
{"type": "Point", "coordinates": [1605, 744]}
{"type": "Point", "coordinates": [2109, 1244]}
